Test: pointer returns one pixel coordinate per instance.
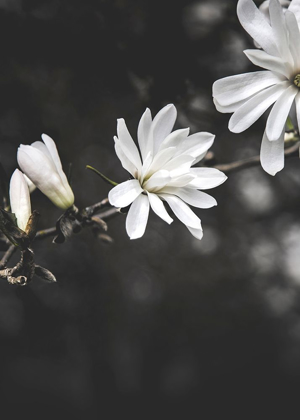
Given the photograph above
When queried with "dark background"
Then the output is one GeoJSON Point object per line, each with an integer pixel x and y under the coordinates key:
{"type": "Point", "coordinates": [166, 324]}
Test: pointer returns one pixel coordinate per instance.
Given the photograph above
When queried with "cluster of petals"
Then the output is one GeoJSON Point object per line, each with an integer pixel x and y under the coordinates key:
{"type": "Point", "coordinates": [249, 95]}
{"type": "Point", "coordinates": [41, 164]}
{"type": "Point", "coordinates": [161, 171]}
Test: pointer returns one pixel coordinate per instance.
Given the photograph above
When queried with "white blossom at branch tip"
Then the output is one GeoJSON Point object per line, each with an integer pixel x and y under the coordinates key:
{"type": "Point", "coordinates": [20, 198]}
{"type": "Point", "coordinates": [274, 27]}
{"type": "Point", "coordinates": [40, 162]}
{"type": "Point", "coordinates": [161, 170]}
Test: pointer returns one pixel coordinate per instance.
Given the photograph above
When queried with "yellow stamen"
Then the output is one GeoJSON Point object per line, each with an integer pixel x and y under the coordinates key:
{"type": "Point", "coordinates": [297, 80]}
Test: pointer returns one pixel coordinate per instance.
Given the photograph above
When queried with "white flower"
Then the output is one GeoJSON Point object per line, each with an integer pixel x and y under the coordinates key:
{"type": "Point", "coordinates": [41, 163]}
{"type": "Point", "coordinates": [249, 95]}
{"type": "Point", "coordinates": [20, 198]}
{"type": "Point", "coordinates": [162, 172]}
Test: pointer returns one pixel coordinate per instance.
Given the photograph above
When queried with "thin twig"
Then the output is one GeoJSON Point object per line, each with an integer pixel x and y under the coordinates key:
{"type": "Point", "coordinates": [7, 256]}
{"type": "Point", "coordinates": [254, 161]}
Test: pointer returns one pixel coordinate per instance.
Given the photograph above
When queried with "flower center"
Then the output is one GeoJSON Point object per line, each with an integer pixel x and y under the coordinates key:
{"type": "Point", "coordinates": [297, 80]}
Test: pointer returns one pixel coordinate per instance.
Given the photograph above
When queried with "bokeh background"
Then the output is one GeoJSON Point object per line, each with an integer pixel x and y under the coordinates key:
{"type": "Point", "coordinates": [166, 324]}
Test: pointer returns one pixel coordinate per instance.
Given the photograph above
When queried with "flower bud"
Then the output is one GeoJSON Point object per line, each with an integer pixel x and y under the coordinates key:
{"type": "Point", "coordinates": [41, 163]}
{"type": "Point", "coordinates": [20, 198]}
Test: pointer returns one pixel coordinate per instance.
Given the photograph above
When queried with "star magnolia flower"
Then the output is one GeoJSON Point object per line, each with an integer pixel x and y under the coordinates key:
{"type": "Point", "coordinates": [42, 165]}
{"type": "Point", "coordinates": [249, 95]}
{"type": "Point", "coordinates": [162, 172]}
{"type": "Point", "coordinates": [20, 198]}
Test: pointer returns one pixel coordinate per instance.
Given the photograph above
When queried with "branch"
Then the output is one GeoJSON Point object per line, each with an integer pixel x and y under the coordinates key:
{"type": "Point", "coordinates": [254, 161]}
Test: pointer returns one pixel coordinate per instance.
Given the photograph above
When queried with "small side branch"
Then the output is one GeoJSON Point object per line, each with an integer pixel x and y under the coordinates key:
{"type": "Point", "coordinates": [7, 256]}
{"type": "Point", "coordinates": [254, 161]}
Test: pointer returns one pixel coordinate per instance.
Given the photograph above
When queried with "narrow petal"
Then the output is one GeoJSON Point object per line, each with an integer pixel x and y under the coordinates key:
{"type": "Point", "coordinates": [137, 218]}
{"type": "Point", "coordinates": [279, 29]}
{"type": "Point", "coordinates": [180, 181]}
{"type": "Point", "coordinates": [196, 144]}
{"type": "Point", "coordinates": [162, 125]}
{"type": "Point", "coordinates": [197, 233]}
{"type": "Point", "coordinates": [20, 198]}
{"type": "Point", "coordinates": [175, 138]}
{"type": "Point", "coordinates": [207, 178]}
{"type": "Point", "coordinates": [126, 163]}
{"type": "Point", "coordinates": [124, 194]}
{"type": "Point", "coordinates": [159, 208]}
{"type": "Point", "coordinates": [157, 181]}
{"type": "Point", "coordinates": [52, 149]}
{"type": "Point", "coordinates": [272, 154]}
{"type": "Point", "coordinates": [297, 101]}
{"type": "Point", "coordinates": [262, 59]}
{"type": "Point", "coordinates": [128, 145]}
{"type": "Point", "coordinates": [295, 8]}
{"type": "Point", "coordinates": [182, 211]}
{"type": "Point", "coordinates": [30, 184]}
{"type": "Point", "coordinates": [193, 197]}
{"type": "Point", "coordinates": [248, 113]}
{"type": "Point", "coordinates": [229, 108]}
{"type": "Point", "coordinates": [255, 23]}
{"type": "Point", "coordinates": [279, 113]}
{"type": "Point", "coordinates": [294, 34]}
{"type": "Point", "coordinates": [179, 165]}
{"type": "Point", "coordinates": [234, 89]}
{"type": "Point", "coordinates": [161, 159]}
{"type": "Point", "coordinates": [144, 138]}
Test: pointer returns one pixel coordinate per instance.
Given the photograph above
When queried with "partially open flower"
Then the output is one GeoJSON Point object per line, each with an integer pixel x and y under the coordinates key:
{"type": "Point", "coordinates": [20, 198]}
{"type": "Point", "coordinates": [41, 163]}
{"type": "Point", "coordinates": [162, 172]}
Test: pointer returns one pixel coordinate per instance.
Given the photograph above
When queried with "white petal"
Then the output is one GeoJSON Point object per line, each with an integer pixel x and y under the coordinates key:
{"type": "Point", "coordinates": [297, 101]}
{"type": "Point", "coordinates": [279, 113]}
{"type": "Point", "coordinates": [20, 198]}
{"type": "Point", "coordinates": [180, 181]}
{"type": "Point", "coordinates": [196, 144]}
{"type": "Point", "coordinates": [137, 218]}
{"type": "Point", "coordinates": [295, 8]}
{"type": "Point", "coordinates": [248, 113]}
{"type": "Point", "coordinates": [234, 89]}
{"type": "Point", "coordinates": [255, 23]}
{"type": "Point", "coordinates": [144, 138]}
{"type": "Point", "coordinates": [197, 233]}
{"type": "Point", "coordinates": [161, 159]}
{"type": "Point", "coordinates": [229, 108]}
{"type": "Point", "coordinates": [262, 59]}
{"type": "Point", "coordinates": [193, 197]}
{"type": "Point", "coordinates": [126, 163]}
{"type": "Point", "coordinates": [43, 148]}
{"type": "Point", "coordinates": [30, 184]}
{"type": "Point", "coordinates": [179, 165]}
{"type": "Point", "coordinates": [279, 29]}
{"type": "Point", "coordinates": [125, 193]}
{"type": "Point", "coordinates": [294, 34]}
{"type": "Point", "coordinates": [163, 124]}
{"type": "Point", "coordinates": [175, 138]}
{"type": "Point", "coordinates": [207, 178]}
{"type": "Point", "coordinates": [128, 145]}
{"type": "Point", "coordinates": [159, 208]}
{"type": "Point", "coordinates": [52, 149]}
{"type": "Point", "coordinates": [157, 181]}
{"type": "Point", "coordinates": [182, 211]}
{"type": "Point", "coordinates": [272, 154]}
